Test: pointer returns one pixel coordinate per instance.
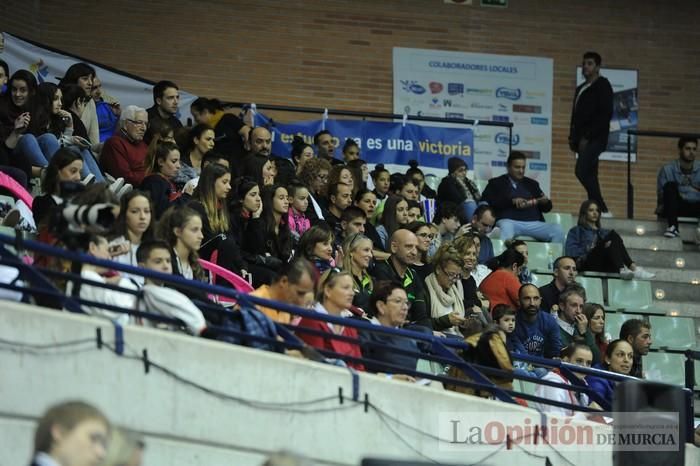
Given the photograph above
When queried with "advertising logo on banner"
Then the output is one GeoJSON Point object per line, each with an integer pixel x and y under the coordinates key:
{"type": "Point", "coordinates": [49, 65]}
{"type": "Point", "coordinates": [484, 87]}
{"type": "Point", "coordinates": [380, 142]}
{"type": "Point", "coordinates": [625, 112]}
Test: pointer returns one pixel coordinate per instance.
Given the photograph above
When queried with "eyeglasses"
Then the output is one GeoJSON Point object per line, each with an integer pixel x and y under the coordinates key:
{"type": "Point", "coordinates": [400, 302]}
{"type": "Point", "coordinates": [427, 235]}
{"type": "Point", "coordinates": [137, 122]}
{"type": "Point", "coordinates": [451, 275]}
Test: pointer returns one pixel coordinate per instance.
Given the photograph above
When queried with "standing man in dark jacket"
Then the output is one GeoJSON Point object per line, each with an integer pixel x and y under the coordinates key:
{"type": "Point", "coordinates": [590, 125]}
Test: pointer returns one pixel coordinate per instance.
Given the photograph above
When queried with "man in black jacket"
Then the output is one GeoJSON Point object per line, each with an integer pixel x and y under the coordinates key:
{"type": "Point", "coordinates": [590, 125]}
{"type": "Point", "coordinates": [518, 203]}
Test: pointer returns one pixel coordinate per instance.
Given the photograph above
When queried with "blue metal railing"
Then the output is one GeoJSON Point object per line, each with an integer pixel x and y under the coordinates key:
{"type": "Point", "coordinates": [444, 351]}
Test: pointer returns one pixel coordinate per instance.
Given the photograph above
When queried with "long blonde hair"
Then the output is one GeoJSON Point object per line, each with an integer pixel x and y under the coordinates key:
{"type": "Point", "coordinates": [206, 193]}
{"type": "Point", "coordinates": [350, 245]}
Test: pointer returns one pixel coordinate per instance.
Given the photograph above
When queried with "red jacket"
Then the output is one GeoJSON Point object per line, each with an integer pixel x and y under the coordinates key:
{"type": "Point", "coordinates": [501, 287]}
{"type": "Point", "coordinates": [331, 344]}
{"type": "Point", "coordinates": [123, 158]}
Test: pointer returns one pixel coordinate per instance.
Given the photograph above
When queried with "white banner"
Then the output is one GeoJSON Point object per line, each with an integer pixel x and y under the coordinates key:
{"type": "Point", "coordinates": [625, 112]}
{"type": "Point", "coordinates": [49, 66]}
{"type": "Point", "coordinates": [483, 87]}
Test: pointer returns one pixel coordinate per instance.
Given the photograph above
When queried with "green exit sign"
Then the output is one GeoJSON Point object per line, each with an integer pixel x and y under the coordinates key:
{"type": "Point", "coordinates": [498, 3]}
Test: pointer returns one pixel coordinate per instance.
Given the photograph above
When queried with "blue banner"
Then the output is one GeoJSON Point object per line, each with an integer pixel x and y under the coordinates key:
{"type": "Point", "coordinates": [380, 142]}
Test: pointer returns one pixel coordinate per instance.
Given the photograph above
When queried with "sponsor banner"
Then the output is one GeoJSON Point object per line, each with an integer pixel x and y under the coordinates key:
{"type": "Point", "coordinates": [49, 66]}
{"type": "Point", "coordinates": [625, 111]}
{"type": "Point", "coordinates": [482, 87]}
{"type": "Point", "coordinates": [381, 142]}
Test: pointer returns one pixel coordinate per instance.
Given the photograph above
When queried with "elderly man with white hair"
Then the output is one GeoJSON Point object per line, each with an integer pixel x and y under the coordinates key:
{"type": "Point", "coordinates": [124, 154]}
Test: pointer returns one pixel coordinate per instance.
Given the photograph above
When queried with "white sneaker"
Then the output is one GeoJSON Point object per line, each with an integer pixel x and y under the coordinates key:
{"type": "Point", "coordinates": [626, 274]}
{"type": "Point", "coordinates": [641, 274]}
{"type": "Point", "coordinates": [123, 190]}
{"type": "Point", "coordinates": [116, 185]}
{"type": "Point", "coordinates": [672, 232]}
{"type": "Point", "coordinates": [89, 178]}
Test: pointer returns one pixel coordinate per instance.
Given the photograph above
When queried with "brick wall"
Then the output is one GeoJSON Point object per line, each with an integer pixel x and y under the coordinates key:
{"type": "Point", "coordinates": [334, 53]}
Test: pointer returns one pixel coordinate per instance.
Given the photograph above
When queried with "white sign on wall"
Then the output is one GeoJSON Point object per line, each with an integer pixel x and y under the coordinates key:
{"type": "Point", "coordinates": [483, 87]}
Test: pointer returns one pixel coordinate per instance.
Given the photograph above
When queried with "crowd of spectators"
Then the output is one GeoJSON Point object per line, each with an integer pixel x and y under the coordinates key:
{"type": "Point", "coordinates": [313, 230]}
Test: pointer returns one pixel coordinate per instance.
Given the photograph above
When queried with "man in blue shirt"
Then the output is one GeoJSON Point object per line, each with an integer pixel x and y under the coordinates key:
{"type": "Point", "coordinates": [678, 186]}
{"type": "Point", "coordinates": [518, 203]}
{"type": "Point", "coordinates": [535, 329]}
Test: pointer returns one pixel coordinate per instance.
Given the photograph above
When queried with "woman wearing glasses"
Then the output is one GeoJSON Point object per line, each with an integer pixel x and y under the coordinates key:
{"type": "Point", "coordinates": [335, 291]}
{"type": "Point", "coordinates": [425, 235]}
{"type": "Point", "coordinates": [357, 255]}
{"type": "Point", "coordinates": [445, 291]}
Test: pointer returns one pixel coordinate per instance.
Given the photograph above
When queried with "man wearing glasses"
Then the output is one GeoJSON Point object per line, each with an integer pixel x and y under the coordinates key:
{"type": "Point", "coordinates": [124, 154]}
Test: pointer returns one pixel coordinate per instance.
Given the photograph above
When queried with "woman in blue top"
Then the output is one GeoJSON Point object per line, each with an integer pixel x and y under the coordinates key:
{"type": "Point", "coordinates": [600, 250]}
{"type": "Point", "coordinates": [618, 358]}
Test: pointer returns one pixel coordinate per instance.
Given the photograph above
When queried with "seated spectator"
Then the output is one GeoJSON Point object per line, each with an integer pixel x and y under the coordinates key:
{"type": "Point", "coordinates": [181, 227]}
{"type": "Point", "coordinates": [422, 266]}
{"type": "Point", "coordinates": [618, 359]}
{"type": "Point", "coordinates": [381, 178]}
{"type": "Point", "coordinates": [342, 174]}
{"type": "Point", "coordinates": [316, 246]}
{"type": "Point", "coordinates": [209, 200]}
{"type": "Point", "coordinates": [339, 199]}
{"type": "Point", "coordinates": [482, 222]}
{"type": "Point", "coordinates": [4, 76]}
{"type": "Point", "coordinates": [215, 157]}
{"type": "Point", "coordinates": [447, 220]}
{"type": "Point", "coordinates": [637, 333]}
{"type": "Point", "coordinates": [415, 211]}
{"type": "Point", "coordinates": [298, 204]}
{"type": "Point", "coordinates": [535, 329]}
{"type": "Point", "coordinates": [357, 256]}
{"type": "Point", "coordinates": [107, 109]}
{"type": "Point", "coordinates": [394, 217]}
{"type": "Point", "coordinates": [333, 297]}
{"type": "Point", "coordinates": [502, 285]}
{"type": "Point", "coordinates": [519, 203]}
{"type": "Point", "coordinates": [65, 167]}
{"type": "Point", "coordinates": [230, 130]}
{"type": "Point", "coordinates": [124, 154]}
{"type": "Point", "coordinates": [258, 168]}
{"type": "Point", "coordinates": [600, 250]}
{"type": "Point", "coordinates": [246, 205]}
{"type": "Point", "coordinates": [352, 221]}
{"type": "Point", "coordinates": [200, 141]}
{"type": "Point", "coordinates": [267, 238]}
{"type": "Point", "coordinates": [160, 173]}
{"type": "Point", "coordinates": [480, 271]}
{"type": "Point", "coordinates": [525, 276]}
{"type": "Point", "coordinates": [565, 273]}
{"type": "Point", "coordinates": [595, 313]}
{"type": "Point", "coordinates": [367, 201]}
{"type": "Point", "coordinates": [360, 172]}
{"type": "Point", "coordinates": [15, 107]}
{"type": "Point", "coordinates": [64, 124]}
{"type": "Point", "coordinates": [504, 317]}
{"type": "Point", "coordinates": [166, 99]}
{"type": "Point", "coordinates": [293, 284]}
{"type": "Point", "coordinates": [258, 146]}
{"type": "Point", "coordinates": [399, 267]}
{"type": "Point", "coordinates": [314, 175]}
{"type": "Point", "coordinates": [678, 187]}
{"type": "Point", "coordinates": [457, 188]}
{"type": "Point", "coordinates": [351, 150]}
{"type": "Point", "coordinates": [444, 290]}
{"type": "Point", "coordinates": [473, 299]}
{"type": "Point", "coordinates": [71, 433]}
{"type": "Point", "coordinates": [573, 323]}
{"type": "Point", "coordinates": [301, 153]}
{"type": "Point", "coordinates": [24, 132]}
{"type": "Point", "coordinates": [325, 147]}
{"type": "Point", "coordinates": [577, 354]}
{"type": "Point", "coordinates": [417, 177]}
{"type": "Point", "coordinates": [131, 228]}
{"type": "Point", "coordinates": [98, 247]}
{"type": "Point", "coordinates": [83, 75]}
{"type": "Point", "coordinates": [389, 307]}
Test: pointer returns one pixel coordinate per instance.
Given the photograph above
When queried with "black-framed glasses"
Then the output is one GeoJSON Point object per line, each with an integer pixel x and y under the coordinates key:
{"type": "Point", "coordinates": [452, 275]}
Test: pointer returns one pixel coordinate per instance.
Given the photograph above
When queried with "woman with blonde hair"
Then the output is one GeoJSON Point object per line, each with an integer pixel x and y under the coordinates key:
{"type": "Point", "coordinates": [357, 256]}
{"type": "Point", "coordinates": [444, 287]}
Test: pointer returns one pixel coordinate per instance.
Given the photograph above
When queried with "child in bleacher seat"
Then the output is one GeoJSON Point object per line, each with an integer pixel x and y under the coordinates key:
{"type": "Point", "coordinates": [298, 203]}
{"type": "Point", "coordinates": [161, 170]}
{"type": "Point", "coordinates": [504, 316]}
{"type": "Point", "coordinates": [132, 226]}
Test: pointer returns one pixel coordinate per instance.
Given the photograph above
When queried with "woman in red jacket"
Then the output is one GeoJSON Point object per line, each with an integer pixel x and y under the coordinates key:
{"type": "Point", "coordinates": [334, 296]}
{"type": "Point", "coordinates": [502, 285]}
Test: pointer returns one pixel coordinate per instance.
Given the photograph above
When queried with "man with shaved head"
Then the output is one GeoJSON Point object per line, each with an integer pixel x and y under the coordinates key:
{"type": "Point", "coordinates": [399, 267]}
{"type": "Point", "coordinates": [536, 329]}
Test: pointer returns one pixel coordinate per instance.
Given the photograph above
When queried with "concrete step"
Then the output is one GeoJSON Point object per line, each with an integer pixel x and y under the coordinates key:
{"type": "Point", "coordinates": [674, 291]}
{"type": "Point", "coordinates": [678, 275]}
{"type": "Point", "coordinates": [688, 231]}
{"type": "Point", "coordinates": [653, 243]}
{"type": "Point", "coordinates": [665, 259]}
{"type": "Point", "coordinates": [676, 308]}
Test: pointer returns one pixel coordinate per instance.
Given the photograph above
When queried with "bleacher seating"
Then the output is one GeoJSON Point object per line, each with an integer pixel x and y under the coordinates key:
{"type": "Point", "coordinates": [594, 289]}
{"type": "Point", "coordinates": [672, 332]}
{"type": "Point", "coordinates": [665, 367]}
{"type": "Point", "coordinates": [541, 254]}
{"type": "Point", "coordinates": [631, 295]}
{"type": "Point", "coordinates": [565, 220]}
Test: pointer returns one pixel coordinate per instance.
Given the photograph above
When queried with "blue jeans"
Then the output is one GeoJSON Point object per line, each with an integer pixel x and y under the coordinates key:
{"type": "Point", "coordinates": [541, 231]}
{"type": "Point", "coordinates": [38, 150]}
